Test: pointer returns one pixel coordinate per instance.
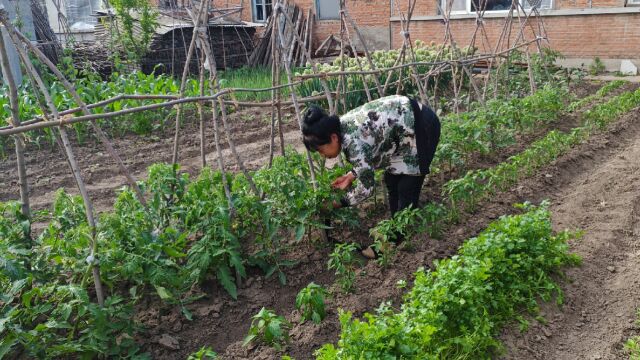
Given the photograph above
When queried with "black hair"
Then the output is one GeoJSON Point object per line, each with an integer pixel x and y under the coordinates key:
{"type": "Point", "coordinates": [317, 128]}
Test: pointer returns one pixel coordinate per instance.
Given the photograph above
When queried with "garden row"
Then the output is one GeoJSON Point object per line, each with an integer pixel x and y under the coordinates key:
{"type": "Point", "coordinates": [185, 235]}
{"type": "Point", "coordinates": [455, 310]}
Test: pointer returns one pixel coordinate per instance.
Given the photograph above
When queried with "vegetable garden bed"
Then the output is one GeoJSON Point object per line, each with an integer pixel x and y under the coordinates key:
{"type": "Point", "coordinates": [169, 317]}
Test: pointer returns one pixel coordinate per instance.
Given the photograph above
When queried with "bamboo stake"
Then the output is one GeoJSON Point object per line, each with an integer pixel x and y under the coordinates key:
{"type": "Point", "coordinates": [37, 125]}
{"type": "Point", "coordinates": [279, 104]}
{"type": "Point", "coordinates": [216, 130]}
{"type": "Point", "coordinates": [183, 82]}
{"type": "Point", "coordinates": [213, 80]}
{"type": "Point", "coordinates": [15, 122]}
{"type": "Point", "coordinates": [312, 171]}
{"type": "Point", "coordinates": [406, 23]}
{"type": "Point", "coordinates": [305, 39]}
{"type": "Point", "coordinates": [365, 48]}
{"type": "Point", "coordinates": [292, 45]}
{"type": "Point", "coordinates": [216, 137]}
{"type": "Point", "coordinates": [203, 153]}
{"type": "Point", "coordinates": [314, 67]}
{"type": "Point", "coordinates": [279, 11]}
{"type": "Point", "coordinates": [274, 64]}
{"type": "Point", "coordinates": [355, 55]}
{"type": "Point", "coordinates": [342, 82]}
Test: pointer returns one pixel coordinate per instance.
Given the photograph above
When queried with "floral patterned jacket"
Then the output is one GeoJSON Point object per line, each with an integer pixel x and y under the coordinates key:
{"type": "Point", "coordinates": [379, 135]}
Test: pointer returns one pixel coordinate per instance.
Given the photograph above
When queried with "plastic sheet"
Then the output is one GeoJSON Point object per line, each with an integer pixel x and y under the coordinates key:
{"type": "Point", "coordinates": [79, 14]}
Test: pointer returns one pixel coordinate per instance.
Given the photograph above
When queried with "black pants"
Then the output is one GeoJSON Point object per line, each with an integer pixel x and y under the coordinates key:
{"type": "Point", "coordinates": [403, 190]}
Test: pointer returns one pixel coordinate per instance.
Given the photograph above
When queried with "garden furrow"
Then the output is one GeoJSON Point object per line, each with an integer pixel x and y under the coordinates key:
{"type": "Point", "coordinates": [602, 296]}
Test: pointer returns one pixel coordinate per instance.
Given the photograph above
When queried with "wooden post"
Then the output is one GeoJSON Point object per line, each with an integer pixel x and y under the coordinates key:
{"type": "Point", "coordinates": [183, 82]}
{"type": "Point", "coordinates": [213, 81]}
{"type": "Point", "coordinates": [15, 122]}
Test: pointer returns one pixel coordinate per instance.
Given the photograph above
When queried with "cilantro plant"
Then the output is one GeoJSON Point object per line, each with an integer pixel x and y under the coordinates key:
{"type": "Point", "coordinates": [456, 310]}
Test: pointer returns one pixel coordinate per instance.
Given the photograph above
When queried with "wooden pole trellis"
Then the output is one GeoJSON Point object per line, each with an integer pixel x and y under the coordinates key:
{"type": "Point", "coordinates": [23, 41]}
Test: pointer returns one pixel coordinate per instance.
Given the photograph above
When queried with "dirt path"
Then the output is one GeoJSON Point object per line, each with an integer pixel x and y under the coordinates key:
{"type": "Point", "coordinates": [603, 294]}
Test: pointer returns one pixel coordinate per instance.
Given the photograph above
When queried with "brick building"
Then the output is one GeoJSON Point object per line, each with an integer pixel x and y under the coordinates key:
{"type": "Point", "coordinates": [580, 29]}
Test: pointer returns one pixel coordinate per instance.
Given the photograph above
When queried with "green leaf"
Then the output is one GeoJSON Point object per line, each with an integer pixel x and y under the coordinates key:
{"type": "Point", "coordinates": [248, 339]}
{"type": "Point", "coordinates": [173, 252]}
{"type": "Point", "coordinates": [3, 321]}
{"type": "Point", "coordinates": [236, 261]}
{"type": "Point", "coordinates": [316, 318]}
{"type": "Point", "coordinates": [224, 276]}
{"type": "Point", "coordinates": [17, 287]}
{"type": "Point", "coordinates": [270, 270]}
{"type": "Point", "coordinates": [6, 343]}
{"type": "Point", "coordinates": [282, 278]}
{"type": "Point", "coordinates": [163, 293]}
{"type": "Point", "coordinates": [187, 314]}
{"type": "Point", "coordinates": [274, 329]}
{"type": "Point", "coordinates": [300, 229]}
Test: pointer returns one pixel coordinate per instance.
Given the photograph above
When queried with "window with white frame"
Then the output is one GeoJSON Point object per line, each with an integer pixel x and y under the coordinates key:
{"type": "Point", "coordinates": [633, 2]}
{"type": "Point", "coordinates": [328, 9]}
{"type": "Point", "coordinates": [472, 6]}
{"type": "Point", "coordinates": [538, 4]}
{"type": "Point", "coordinates": [457, 6]}
{"type": "Point", "coordinates": [261, 10]}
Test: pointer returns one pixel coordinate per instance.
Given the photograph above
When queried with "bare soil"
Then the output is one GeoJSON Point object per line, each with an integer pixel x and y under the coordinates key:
{"type": "Point", "coordinates": [594, 187]}
{"type": "Point", "coordinates": [600, 194]}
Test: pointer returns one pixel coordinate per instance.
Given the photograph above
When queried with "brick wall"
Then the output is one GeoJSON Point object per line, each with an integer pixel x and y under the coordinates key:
{"type": "Point", "coordinates": [574, 36]}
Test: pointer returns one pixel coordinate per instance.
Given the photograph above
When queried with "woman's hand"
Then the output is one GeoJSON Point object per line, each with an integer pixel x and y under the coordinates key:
{"type": "Point", "coordinates": [330, 206]}
{"type": "Point", "coordinates": [344, 181]}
